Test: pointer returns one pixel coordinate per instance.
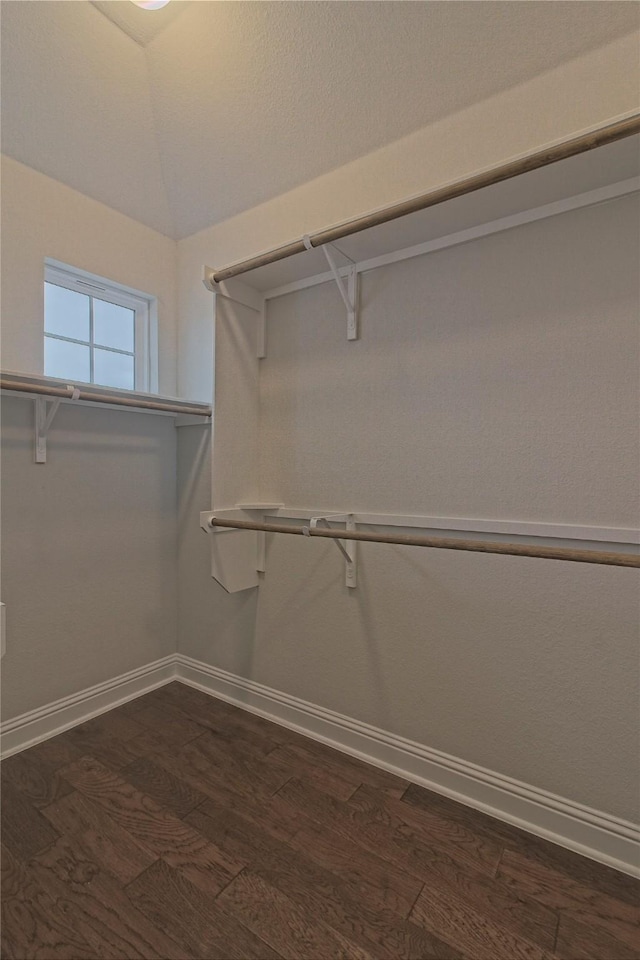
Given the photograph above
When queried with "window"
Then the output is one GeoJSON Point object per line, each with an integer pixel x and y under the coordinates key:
{"type": "Point", "coordinates": [95, 331]}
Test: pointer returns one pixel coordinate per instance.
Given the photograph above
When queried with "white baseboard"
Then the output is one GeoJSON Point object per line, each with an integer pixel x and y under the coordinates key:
{"type": "Point", "coordinates": [591, 833]}
{"type": "Point", "coordinates": [54, 718]}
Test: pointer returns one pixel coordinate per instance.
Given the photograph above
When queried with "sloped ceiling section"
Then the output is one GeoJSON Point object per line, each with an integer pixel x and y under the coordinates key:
{"type": "Point", "coordinates": [76, 106]}
{"type": "Point", "coordinates": [215, 107]}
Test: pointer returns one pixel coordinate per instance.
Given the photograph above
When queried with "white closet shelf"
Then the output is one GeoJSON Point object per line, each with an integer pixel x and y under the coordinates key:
{"type": "Point", "coordinates": [48, 393]}
{"type": "Point", "coordinates": [595, 167]}
{"type": "Point", "coordinates": [35, 386]}
{"type": "Point", "coordinates": [586, 179]}
{"type": "Point", "coordinates": [238, 561]}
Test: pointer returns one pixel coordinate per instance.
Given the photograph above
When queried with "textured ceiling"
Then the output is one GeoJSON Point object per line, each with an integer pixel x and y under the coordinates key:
{"type": "Point", "coordinates": [222, 105]}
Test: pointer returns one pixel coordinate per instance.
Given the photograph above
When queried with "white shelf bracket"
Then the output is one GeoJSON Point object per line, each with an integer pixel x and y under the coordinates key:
{"type": "Point", "coordinates": [45, 411]}
{"type": "Point", "coordinates": [346, 547]}
{"type": "Point", "coordinates": [239, 292]}
{"type": "Point", "coordinates": [348, 292]}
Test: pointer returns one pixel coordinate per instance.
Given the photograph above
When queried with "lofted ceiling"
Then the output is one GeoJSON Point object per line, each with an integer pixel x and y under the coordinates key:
{"type": "Point", "coordinates": [183, 117]}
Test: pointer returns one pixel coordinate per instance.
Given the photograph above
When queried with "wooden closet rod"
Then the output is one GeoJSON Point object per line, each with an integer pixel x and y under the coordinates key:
{"type": "Point", "coordinates": [444, 543]}
{"type": "Point", "coordinates": [533, 161]}
{"type": "Point", "coordinates": [68, 392]}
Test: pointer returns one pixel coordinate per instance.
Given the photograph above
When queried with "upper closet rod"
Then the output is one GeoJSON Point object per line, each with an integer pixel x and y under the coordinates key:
{"type": "Point", "coordinates": [73, 393]}
{"type": "Point", "coordinates": [444, 543]}
{"type": "Point", "coordinates": [533, 161]}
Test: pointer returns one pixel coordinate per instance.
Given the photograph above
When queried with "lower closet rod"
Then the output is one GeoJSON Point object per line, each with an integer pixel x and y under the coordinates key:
{"type": "Point", "coordinates": [444, 543]}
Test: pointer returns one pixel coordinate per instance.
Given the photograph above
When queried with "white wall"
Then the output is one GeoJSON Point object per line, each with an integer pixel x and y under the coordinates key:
{"type": "Point", "coordinates": [88, 550]}
{"type": "Point", "coordinates": [503, 662]}
{"type": "Point", "coordinates": [498, 379]}
{"type": "Point", "coordinates": [89, 538]}
{"type": "Point", "coordinates": [209, 619]}
{"type": "Point", "coordinates": [494, 380]}
{"type": "Point", "coordinates": [584, 93]}
{"type": "Point", "coordinates": [44, 218]}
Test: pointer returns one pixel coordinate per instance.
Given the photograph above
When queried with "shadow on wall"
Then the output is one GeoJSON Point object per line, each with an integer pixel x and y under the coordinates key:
{"type": "Point", "coordinates": [213, 626]}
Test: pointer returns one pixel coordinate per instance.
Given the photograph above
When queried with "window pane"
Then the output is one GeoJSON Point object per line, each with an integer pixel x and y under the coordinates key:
{"type": "Point", "coordinates": [66, 312]}
{"type": "Point", "coordinates": [70, 361]}
{"type": "Point", "coordinates": [112, 369]}
{"type": "Point", "coordinates": [112, 325]}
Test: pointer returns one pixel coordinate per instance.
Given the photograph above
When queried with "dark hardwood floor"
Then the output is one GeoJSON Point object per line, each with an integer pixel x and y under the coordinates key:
{"type": "Point", "coordinates": [179, 826]}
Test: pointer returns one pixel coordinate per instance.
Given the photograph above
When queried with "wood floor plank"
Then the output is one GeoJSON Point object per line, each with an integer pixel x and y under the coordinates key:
{"type": "Point", "coordinates": [348, 902]}
{"type": "Point", "coordinates": [226, 720]}
{"type": "Point", "coordinates": [476, 935]}
{"type": "Point", "coordinates": [229, 722]}
{"type": "Point", "coordinates": [573, 899]}
{"type": "Point", "coordinates": [273, 814]}
{"type": "Point", "coordinates": [33, 777]}
{"type": "Point", "coordinates": [310, 758]}
{"type": "Point", "coordinates": [499, 832]}
{"type": "Point", "coordinates": [159, 731]}
{"type": "Point", "coordinates": [608, 881]}
{"type": "Point", "coordinates": [24, 830]}
{"type": "Point", "coordinates": [584, 941]}
{"type": "Point", "coordinates": [155, 828]}
{"type": "Point", "coordinates": [113, 725]}
{"type": "Point", "coordinates": [335, 773]}
{"type": "Point", "coordinates": [380, 834]}
{"type": "Point", "coordinates": [453, 838]}
{"type": "Point", "coordinates": [55, 752]}
{"type": "Point", "coordinates": [395, 888]}
{"type": "Point", "coordinates": [235, 749]}
{"type": "Point", "coordinates": [99, 908]}
{"type": "Point", "coordinates": [383, 826]}
{"type": "Point", "coordinates": [194, 918]}
{"type": "Point", "coordinates": [522, 916]}
{"type": "Point", "coordinates": [237, 837]}
{"type": "Point", "coordinates": [251, 775]}
{"type": "Point", "coordinates": [178, 825]}
{"type": "Point", "coordinates": [176, 727]}
{"type": "Point", "coordinates": [33, 924]}
{"type": "Point", "coordinates": [566, 863]}
{"type": "Point", "coordinates": [113, 848]}
{"type": "Point", "coordinates": [324, 776]}
{"type": "Point", "coordinates": [131, 707]}
{"type": "Point", "coordinates": [111, 751]}
{"type": "Point", "coordinates": [355, 908]}
{"type": "Point", "coordinates": [227, 725]}
{"type": "Point", "coordinates": [108, 738]}
{"type": "Point", "coordinates": [164, 787]}
{"type": "Point", "coordinates": [289, 930]}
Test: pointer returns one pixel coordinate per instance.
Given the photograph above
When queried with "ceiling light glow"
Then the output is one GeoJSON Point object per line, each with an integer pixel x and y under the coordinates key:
{"type": "Point", "coordinates": [150, 4]}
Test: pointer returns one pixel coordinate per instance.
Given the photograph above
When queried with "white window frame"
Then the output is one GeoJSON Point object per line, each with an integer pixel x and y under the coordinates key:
{"type": "Point", "coordinates": [145, 351]}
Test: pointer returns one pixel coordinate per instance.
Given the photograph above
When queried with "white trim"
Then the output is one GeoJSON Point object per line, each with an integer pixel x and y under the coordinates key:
{"type": "Point", "coordinates": [54, 718]}
{"type": "Point", "coordinates": [588, 199]}
{"type": "Point", "coordinates": [591, 833]}
{"type": "Point", "coordinates": [499, 528]}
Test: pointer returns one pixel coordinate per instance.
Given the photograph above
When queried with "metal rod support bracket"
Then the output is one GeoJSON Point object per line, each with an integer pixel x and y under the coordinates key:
{"type": "Point", "coordinates": [45, 412]}
{"type": "Point", "coordinates": [346, 547]}
{"type": "Point", "coordinates": [348, 291]}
